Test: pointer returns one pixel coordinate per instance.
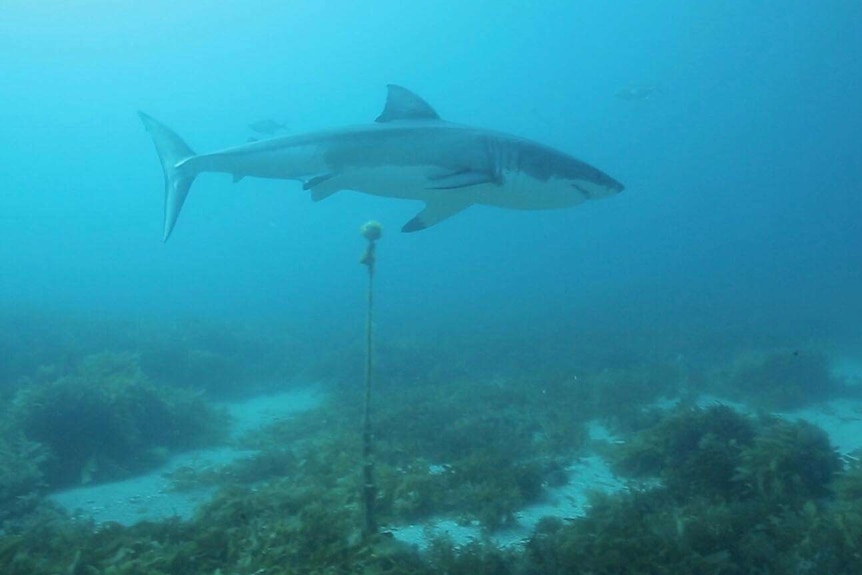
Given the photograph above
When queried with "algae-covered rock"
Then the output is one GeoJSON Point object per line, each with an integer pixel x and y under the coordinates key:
{"type": "Point", "coordinates": [692, 450]}
{"type": "Point", "coordinates": [790, 462]}
{"type": "Point", "coordinates": [106, 420]}
{"type": "Point", "coordinates": [21, 479]}
{"type": "Point", "coordinates": [782, 380]}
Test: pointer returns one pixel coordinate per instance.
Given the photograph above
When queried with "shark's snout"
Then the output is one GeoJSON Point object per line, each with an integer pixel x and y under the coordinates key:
{"type": "Point", "coordinates": [603, 187]}
{"type": "Point", "coordinates": [610, 184]}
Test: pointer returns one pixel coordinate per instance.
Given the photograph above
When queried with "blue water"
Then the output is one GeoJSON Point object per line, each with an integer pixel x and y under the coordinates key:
{"type": "Point", "coordinates": [742, 171]}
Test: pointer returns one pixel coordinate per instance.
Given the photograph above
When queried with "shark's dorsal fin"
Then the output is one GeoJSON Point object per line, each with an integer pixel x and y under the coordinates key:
{"type": "Point", "coordinates": [402, 104]}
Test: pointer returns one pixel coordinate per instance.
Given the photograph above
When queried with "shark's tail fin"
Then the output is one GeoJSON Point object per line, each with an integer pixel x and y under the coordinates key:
{"type": "Point", "coordinates": [179, 175]}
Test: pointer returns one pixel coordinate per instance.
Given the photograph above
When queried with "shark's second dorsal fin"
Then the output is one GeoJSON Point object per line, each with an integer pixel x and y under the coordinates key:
{"type": "Point", "coordinates": [402, 104]}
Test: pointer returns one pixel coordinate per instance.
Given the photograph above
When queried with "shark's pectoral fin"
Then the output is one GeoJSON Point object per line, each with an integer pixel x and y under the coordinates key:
{"type": "Point", "coordinates": [461, 179]}
{"type": "Point", "coordinates": [237, 177]}
{"type": "Point", "coordinates": [435, 212]}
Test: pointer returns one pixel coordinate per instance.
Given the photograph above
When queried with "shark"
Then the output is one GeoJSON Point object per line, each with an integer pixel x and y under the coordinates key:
{"type": "Point", "coordinates": [409, 152]}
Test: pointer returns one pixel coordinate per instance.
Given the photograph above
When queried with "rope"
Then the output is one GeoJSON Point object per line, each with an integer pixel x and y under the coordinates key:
{"type": "Point", "coordinates": [372, 232]}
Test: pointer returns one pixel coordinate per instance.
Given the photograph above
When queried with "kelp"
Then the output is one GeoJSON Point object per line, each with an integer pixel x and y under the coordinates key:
{"type": "Point", "coordinates": [691, 449]}
{"type": "Point", "coordinates": [21, 478]}
{"type": "Point", "coordinates": [734, 494]}
{"type": "Point", "coordinates": [106, 420]}
{"type": "Point", "coordinates": [784, 379]}
{"type": "Point", "coordinates": [476, 452]}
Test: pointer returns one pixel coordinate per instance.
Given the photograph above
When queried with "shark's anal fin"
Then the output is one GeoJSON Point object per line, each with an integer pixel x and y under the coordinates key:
{"type": "Point", "coordinates": [461, 179]}
{"type": "Point", "coordinates": [435, 212]}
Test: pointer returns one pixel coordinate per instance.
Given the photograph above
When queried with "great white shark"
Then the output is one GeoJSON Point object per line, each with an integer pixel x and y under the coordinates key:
{"type": "Point", "coordinates": [409, 152]}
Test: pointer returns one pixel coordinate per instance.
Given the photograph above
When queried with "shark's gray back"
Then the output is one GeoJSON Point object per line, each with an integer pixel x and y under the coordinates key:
{"type": "Point", "coordinates": [408, 143]}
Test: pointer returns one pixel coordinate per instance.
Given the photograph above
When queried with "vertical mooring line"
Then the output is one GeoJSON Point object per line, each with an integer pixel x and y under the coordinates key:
{"type": "Point", "coordinates": [371, 231]}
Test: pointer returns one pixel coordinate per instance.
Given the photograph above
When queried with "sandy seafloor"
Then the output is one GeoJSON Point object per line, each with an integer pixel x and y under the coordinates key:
{"type": "Point", "coordinates": [149, 497]}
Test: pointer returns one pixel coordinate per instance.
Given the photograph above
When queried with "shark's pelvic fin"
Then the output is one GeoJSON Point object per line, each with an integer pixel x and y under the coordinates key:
{"type": "Point", "coordinates": [318, 186]}
{"type": "Point", "coordinates": [435, 212]}
{"type": "Point", "coordinates": [402, 104]}
{"type": "Point", "coordinates": [173, 153]}
{"type": "Point", "coordinates": [314, 181]}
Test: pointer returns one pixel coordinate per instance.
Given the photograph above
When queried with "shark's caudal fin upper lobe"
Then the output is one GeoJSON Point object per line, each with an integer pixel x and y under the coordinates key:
{"type": "Point", "coordinates": [173, 152]}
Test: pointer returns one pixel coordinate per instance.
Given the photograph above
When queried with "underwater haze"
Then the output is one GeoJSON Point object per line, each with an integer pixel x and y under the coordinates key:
{"type": "Point", "coordinates": [664, 380]}
{"type": "Point", "coordinates": [735, 129]}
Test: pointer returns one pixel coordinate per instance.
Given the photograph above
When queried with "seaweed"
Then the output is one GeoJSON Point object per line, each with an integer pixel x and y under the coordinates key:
{"type": "Point", "coordinates": [782, 380]}
{"type": "Point", "coordinates": [473, 558]}
{"type": "Point", "coordinates": [472, 450]}
{"type": "Point", "coordinates": [738, 495]}
{"type": "Point", "coordinates": [735, 494]}
{"type": "Point", "coordinates": [21, 478]}
{"type": "Point", "coordinates": [106, 420]}
{"type": "Point", "coordinates": [692, 450]}
{"type": "Point", "coordinates": [788, 462]}
{"type": "Point", "coordinates": [652, 532]}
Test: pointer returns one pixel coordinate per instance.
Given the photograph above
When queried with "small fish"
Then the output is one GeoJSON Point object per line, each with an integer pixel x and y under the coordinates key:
{"type": "Point", "coordinates": [267, 127]}
{"type": "Point", "coordinates": [88, 470]}
{"type": "Point", "coordinates": [632, 93]}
